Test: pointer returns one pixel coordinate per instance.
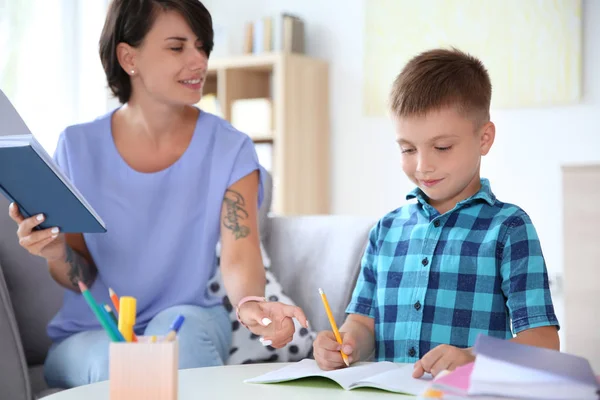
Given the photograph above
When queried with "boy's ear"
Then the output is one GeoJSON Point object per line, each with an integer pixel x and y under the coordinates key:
{"type": "Point", "coordinates": [488, 134]}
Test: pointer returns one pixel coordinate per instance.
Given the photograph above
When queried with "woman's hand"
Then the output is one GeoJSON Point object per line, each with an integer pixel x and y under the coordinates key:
{"type": "Point", "coordinates": [272, 321]}
{"type": "Point", "coordinates": [46, 243]}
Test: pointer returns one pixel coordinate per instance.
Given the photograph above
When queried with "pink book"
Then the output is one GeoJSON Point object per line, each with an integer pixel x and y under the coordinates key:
{"type": "Point", "coordinates": [455, 382]}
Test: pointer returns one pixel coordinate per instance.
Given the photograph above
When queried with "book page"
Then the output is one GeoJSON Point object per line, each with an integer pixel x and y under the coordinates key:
{"type": "Point", "coordinates": [12, 142]}
{"type": "Point", "coordinates": [346, 377]}
{"type": "Point", "coordinates": [397, 380]}
{"type": "Point", "coordinates": [535, 390]}
{"type": "Point", "coordinates": [308, 368]}
{"type": "Point", "coordinates": [291, 372]}
{"type": "Point", "coordinates": [491, 370]}
{"type": "Point", "coordinates": [528, 363]}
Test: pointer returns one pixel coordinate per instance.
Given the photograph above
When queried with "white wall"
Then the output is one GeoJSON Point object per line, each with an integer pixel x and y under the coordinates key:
{"type": "Point", "coordinates": [58, 79]}
{"type": "Point", "coordinates": [523, 166]}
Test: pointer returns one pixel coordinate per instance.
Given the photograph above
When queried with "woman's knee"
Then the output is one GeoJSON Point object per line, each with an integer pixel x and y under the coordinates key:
{"type": "Point", "coordinates": [97, 368]}
{"type": "Point", "coordinates": [212, 320]}
{"type": "Point", "coordinates": [204, 338]}
{"type": "Point", "coordinates": [78, 360]}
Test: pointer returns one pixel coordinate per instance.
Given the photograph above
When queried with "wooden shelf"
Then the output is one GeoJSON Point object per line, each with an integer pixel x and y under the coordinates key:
{"type": "Point", "coordinates": [262, 139]}
{"type": "Point", "coordinates": [259, 62]}
{"type": "Point", "coordinates": [298, 87]}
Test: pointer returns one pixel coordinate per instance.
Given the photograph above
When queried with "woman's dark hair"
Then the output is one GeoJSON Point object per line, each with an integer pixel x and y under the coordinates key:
{"type": "Point", "coordinates": [128, 21]}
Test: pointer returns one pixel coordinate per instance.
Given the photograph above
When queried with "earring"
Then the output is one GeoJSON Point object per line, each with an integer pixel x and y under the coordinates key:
{"type": "Point", "coordinates": [132, 72]}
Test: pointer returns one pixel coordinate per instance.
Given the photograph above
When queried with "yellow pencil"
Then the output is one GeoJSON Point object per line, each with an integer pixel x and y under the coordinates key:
{"type": "Point", "coordinates": [433, 394]}
{"type": "Point", "coordinates": [333, 325]}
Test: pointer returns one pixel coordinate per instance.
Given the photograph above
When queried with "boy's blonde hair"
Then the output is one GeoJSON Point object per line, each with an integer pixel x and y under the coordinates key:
{"type": "Point", "coordinates": [441, 78]}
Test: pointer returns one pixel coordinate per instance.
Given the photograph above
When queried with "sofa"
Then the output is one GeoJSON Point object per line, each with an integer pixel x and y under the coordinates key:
{"type": "Point", "coordinates": [306, 252]}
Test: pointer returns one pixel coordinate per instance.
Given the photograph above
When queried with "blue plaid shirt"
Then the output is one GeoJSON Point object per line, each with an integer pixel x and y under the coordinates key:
{"type": "Point", "coordinates": [429, 279]}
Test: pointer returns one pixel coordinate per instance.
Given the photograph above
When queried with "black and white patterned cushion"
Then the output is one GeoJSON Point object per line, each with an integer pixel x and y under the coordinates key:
{"type": "Point", "coordinates": [245, 346]}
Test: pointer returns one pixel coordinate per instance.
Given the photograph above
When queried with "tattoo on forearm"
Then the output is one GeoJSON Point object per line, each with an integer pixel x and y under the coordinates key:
{"type": "Point", "coordinates": [236, 214]}
{"type": "Point", "coordinates": [79, 268]}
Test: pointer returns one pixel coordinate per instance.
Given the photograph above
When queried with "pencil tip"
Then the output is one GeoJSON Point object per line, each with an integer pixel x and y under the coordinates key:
{"type": "Point", "coordinates": [110, 291]}
{"type": "Point", "coordinates": [82, 286]}
{"type": "Point", "coordinates": [107, 308]}
{"type": "Point", "coordinates": [320, 291]}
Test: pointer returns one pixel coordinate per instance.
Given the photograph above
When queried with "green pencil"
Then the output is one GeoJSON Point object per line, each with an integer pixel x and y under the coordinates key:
{"type": "Point", "coordinates": [96, 310]}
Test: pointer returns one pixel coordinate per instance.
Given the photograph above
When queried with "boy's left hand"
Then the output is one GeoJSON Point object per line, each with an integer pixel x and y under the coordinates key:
{"type": "Point", "coordinates": [272, 321]}
{"type": "Point", "coordinates": [443, 357]}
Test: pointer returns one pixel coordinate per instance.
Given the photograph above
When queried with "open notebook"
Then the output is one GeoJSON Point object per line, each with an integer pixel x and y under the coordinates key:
{"type": "Point", "coordinates": [381, 375]}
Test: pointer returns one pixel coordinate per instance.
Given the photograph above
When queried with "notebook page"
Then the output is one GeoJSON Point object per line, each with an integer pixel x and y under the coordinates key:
{"type": "Point", "coordinates": [397, 380]}
{"type": "Point", "coordinates": [574, 368]}
{"type": "Point", "coordinates": [298, 370]}
{"type": "Point", "coordinates": [491, 370]}
{"type": "Point", "coordinates": [306, 368]}
{"type": "Point", "coordinates": [536, 391]}
{"type": "Point", "coordinates": [346, 377]}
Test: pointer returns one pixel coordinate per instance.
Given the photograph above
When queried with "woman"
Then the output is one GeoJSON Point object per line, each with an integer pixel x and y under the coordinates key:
{"type": "Point", "coordinates": [169, 181]}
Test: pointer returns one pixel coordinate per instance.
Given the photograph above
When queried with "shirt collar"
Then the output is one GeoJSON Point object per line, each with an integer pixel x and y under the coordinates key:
{"type": "Point", "coordinates": [484, 194]}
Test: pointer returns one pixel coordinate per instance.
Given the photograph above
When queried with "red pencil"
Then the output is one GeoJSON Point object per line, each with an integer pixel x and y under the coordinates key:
{"type": "Point", "coordinates": [114, 299]}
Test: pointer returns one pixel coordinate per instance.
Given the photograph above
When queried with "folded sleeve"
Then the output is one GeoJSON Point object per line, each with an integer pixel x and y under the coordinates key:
{"type": "Point", "coordinates": [246, 162]}
{"type": "Point", "coordinates": [525, 278]}
{"type": "Point", "coordinates": [363, 300]}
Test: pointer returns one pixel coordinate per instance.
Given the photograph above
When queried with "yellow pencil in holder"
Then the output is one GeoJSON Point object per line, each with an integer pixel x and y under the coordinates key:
{"type": "Point", "coordinates": [144, 370]}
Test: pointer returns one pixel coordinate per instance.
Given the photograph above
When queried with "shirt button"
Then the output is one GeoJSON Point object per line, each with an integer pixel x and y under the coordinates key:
{"type": "Point", "coordinates": [436, 223]}
{"type": "Point", "coordinates": [425, 262]}
{"type": "Point", "coordinates": [412, 352]}
{"type": "Point", "coordinates": [418, 305]}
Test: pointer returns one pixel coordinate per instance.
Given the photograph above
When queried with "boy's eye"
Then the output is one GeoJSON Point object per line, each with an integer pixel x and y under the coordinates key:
{"type": "Point", "coordinates": [443, 148]}
{"type": "Point", "coordinates": [176, 48]}
{"type": "Point", "coordinates": [407, 151]}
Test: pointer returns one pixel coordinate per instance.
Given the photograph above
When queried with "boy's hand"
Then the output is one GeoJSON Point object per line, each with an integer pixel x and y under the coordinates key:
{"type": "Point", "coordinates": [443, 357]}
{"type": "Point", "coordinates": [327, 350]}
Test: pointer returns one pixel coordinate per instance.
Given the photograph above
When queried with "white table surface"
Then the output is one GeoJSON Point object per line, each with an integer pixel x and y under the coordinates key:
{"type": "Point", "coordinates": [228, 383]}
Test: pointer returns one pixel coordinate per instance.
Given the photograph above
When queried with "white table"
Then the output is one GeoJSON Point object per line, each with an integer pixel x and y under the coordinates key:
{"type": "Point", "coordinates": [228, 383]}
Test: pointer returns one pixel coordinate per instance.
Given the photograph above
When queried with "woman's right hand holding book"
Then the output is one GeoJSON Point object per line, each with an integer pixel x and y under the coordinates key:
{"type": "Point", "coordinates": [46, 243]}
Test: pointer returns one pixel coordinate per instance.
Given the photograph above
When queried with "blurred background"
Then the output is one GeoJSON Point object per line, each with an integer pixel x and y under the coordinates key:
{"type": "Point", "coordinates": [315, 74]}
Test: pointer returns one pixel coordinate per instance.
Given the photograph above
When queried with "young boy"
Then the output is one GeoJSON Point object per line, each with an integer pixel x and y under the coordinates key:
{"type": "Point", "coordinates": [458, 262]}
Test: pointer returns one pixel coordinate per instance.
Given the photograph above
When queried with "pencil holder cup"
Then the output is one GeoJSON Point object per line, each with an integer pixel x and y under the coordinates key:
{"type": "Point", "coordinates": [143, 370]}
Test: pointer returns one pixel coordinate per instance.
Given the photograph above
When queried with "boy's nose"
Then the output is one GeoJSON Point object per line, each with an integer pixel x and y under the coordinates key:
{"type": "Point", "coordinates": [424, 164]}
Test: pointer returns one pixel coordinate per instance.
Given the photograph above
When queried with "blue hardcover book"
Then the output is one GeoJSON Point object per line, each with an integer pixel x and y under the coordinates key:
{"type": "Point", "coordinates": [31, 178]}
